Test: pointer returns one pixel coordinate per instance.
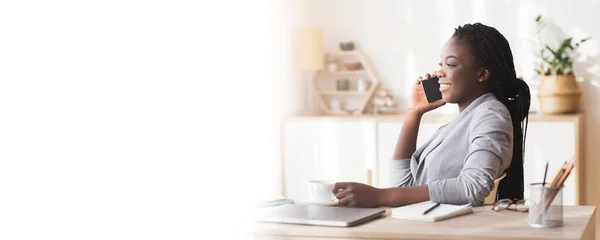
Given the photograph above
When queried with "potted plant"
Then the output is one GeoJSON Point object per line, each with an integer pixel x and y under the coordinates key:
{"type": "Point", "coordinates": [558, 92]}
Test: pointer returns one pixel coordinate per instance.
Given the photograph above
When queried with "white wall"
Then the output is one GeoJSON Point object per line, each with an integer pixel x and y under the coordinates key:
{"type": "Point", "coordinates": [403, 39]}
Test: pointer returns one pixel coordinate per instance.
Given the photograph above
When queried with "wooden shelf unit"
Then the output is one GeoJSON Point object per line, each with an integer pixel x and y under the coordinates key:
{"type": "Point", "coordinates": [343, 93]}
{"type": "Point", "coordinates": [366, 73]}
{"type": "Point", "coordinates": [347, 73]}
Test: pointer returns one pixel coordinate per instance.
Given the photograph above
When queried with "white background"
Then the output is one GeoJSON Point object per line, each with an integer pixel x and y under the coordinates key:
{"type": "Point", "coordinates": [135, 119]}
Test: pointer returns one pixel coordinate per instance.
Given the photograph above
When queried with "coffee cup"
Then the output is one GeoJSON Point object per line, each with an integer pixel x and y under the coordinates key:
{"type": "Point", "coordinates": [321, 191]}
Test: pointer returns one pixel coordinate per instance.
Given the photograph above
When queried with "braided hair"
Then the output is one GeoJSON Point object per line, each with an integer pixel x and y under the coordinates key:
{"type": "Point", "coordinates": [492, 51]}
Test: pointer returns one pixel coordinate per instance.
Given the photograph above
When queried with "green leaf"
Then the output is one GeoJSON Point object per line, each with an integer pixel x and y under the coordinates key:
{"type": "Point", "coordinates": [550, 49]}
{"type": "Point", "coordinates": [538, 18]}
{"type": "Point", "coordinates": [557, 57]}
{"type": "Point", "coordinates": [565, 44]}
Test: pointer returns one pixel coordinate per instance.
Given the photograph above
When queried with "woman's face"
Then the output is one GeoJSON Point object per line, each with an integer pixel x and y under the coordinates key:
{"type": "Point", "coordinates": [459, 74]}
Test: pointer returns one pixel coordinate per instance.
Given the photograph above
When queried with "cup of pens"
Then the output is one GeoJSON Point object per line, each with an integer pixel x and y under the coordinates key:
{"type": "Point", "coordinates": [547, 211]}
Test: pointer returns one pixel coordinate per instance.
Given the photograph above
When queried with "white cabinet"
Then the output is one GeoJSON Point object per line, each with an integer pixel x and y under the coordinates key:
{"type": "Point", "coordinates": [347, 149]}
{"type": "Point", "coordinates": [326, 149]}
{"type": "Point", "coordinates": [554, 142]}
{"type": "Point", "coordinates": [387, 137]}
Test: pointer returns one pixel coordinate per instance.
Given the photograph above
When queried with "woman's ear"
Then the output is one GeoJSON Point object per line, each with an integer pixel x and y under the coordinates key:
{"type": "Point", "coordinates": [483, 74]}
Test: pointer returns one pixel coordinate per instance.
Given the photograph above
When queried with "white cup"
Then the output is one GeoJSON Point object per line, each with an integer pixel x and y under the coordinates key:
{"type": "Point", "coordinates": [321, 191]}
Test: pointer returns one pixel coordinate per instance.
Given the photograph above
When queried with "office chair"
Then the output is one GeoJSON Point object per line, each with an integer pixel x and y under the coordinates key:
{"type": "Point", "coordinates": [490, 199]}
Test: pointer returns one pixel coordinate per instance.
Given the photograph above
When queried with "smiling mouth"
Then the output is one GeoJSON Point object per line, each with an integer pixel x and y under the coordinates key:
{"type": "Point", "coordinates": [444, 86]}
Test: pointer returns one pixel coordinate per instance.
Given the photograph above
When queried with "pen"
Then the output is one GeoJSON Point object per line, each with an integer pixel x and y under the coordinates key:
{"type": "Point", "coordinates": [545, 172]}
{"type": "Point", "coordinates": [431, 208]}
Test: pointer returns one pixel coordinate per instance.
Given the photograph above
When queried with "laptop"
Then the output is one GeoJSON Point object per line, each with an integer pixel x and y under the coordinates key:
{"type": "Point", "coordinates": [318, 215]}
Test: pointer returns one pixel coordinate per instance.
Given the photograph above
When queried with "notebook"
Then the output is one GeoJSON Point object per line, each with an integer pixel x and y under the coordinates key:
{"type": "Point", "coordinates": [444, 211]}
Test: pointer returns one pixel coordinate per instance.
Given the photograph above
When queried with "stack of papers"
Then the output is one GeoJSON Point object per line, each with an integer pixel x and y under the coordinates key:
{"type": "Point", "coordinates": [444, 211]}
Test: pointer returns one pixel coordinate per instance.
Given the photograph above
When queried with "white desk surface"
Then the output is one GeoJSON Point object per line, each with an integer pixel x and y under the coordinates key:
{"type": "Point", "coordinates": [579, 223]}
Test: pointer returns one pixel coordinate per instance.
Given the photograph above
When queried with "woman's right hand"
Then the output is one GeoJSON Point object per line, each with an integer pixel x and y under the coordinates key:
{"type": "Point", "coordinates": [418, 102]}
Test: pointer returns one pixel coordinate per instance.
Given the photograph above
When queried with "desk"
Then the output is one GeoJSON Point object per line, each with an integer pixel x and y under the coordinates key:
{"type": "Point", "coordinates": [483, 224]}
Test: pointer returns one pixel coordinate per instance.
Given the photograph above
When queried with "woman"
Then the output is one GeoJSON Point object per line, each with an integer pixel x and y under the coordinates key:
{"type": "Point", "coordinates": [459, 164]}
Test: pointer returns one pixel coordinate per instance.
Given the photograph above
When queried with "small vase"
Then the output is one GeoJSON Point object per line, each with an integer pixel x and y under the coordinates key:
{"type": "Point", "coordinates": [559, 94]}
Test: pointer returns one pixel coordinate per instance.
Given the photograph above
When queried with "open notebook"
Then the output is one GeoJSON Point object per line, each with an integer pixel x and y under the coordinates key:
{"type": "Point", "coordinates": [444, 211]}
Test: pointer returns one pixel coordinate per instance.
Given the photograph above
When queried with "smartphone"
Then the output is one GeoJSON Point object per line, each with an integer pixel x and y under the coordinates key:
{"type": "Point", "coordinates": [431, 87]}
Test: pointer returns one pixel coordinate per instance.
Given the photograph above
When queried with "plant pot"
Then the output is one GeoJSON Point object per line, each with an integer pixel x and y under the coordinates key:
{"type": "Point", "coordinates": [559, 94]}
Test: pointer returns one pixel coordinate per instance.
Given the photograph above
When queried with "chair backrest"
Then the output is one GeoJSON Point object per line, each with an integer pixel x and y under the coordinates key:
{"type": "Point", "coordinates": [490, 199]}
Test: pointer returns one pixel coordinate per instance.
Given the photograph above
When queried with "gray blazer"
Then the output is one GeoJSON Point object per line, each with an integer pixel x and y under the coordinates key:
{"type": "Point", "coordinates": [463, 158]}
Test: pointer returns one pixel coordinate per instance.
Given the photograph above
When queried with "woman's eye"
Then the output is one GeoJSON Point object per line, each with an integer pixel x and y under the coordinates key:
{"type": "Point", "coordinates": [447, 64]}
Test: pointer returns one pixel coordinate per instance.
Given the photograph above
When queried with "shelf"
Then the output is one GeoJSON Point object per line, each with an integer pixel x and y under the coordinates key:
{"type": "Point", "coordinates": [347, 73]}
{"type": "Point", "coordinates": [437, 118]}
{"type": "Point", "coordinates": [344, 53]}
{"type": "Point", "coordinates": [344, 93]}
{"type": "Point", "coordinates": [350, 97]}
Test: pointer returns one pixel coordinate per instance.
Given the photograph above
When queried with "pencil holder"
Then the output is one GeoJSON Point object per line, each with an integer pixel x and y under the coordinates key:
{"type": "Point", "coordinates": [547, 210]}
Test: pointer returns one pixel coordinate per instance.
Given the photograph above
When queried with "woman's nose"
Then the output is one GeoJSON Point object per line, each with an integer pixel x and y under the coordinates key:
{"type": "Point", "coordinates": [439, 73]}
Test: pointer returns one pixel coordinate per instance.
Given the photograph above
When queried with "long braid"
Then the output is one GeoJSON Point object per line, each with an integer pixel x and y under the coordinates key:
{"type": "Point", "coordinates": [492, 51]}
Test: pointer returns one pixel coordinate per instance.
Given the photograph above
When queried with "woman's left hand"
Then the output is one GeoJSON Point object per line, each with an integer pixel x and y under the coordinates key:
{"type": "Point", "coordinates": [357, 194]}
